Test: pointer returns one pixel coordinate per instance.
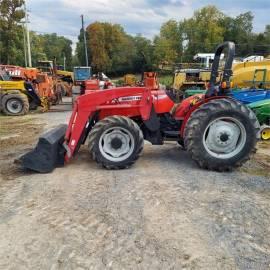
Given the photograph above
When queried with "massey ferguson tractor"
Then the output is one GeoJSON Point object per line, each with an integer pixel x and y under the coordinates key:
{"type": "Point", "coordinates": [219, 132]}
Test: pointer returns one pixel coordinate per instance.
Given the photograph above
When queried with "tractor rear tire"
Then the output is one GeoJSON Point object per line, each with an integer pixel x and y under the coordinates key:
{"type": "Point", "coordinates": [15, 104]}
{"type": "Point", "coordinates": [221, 134]}
{"type": "Point", "coordinates": [116, 142]}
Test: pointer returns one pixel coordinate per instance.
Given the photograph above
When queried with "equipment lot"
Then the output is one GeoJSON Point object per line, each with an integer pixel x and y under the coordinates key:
{"type": "Point", "coordinates": [162, 213]}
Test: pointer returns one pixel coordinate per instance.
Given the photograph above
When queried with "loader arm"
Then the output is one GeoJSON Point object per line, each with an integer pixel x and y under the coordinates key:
{"type": "Point", "coordinates": [57, 146]}
{"type": "Point", "coordinates": [86, 106]}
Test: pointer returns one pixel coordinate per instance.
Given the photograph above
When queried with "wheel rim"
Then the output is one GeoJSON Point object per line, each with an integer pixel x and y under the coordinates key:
{"type": "Point", "coordinates": [116, 144]}
{"type": "Point", "coordinates": [224, 137]}
{"type": "Point", "coordinates": [14, 106]}
{"type": "Point", "coordinates": [265, 133]}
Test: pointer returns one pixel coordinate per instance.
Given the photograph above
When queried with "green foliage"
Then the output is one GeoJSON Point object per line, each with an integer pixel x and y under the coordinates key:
{"type": "Point", "coordinates": [165, 79]}
{"type": "Point", "coordinates": [48, 46]}
{"type": "Point", "coordinates": [203, 31]}
{"type": "Point", "coordinates": [112, 50]}
{"type": "Point", "coordinates": [142, 54]}
{"type": "Point", "coordinates": [43, 47]}
{"type": "Point", "coordinates": [80, 50]}
{"type": "Point", "coordinates": [261, 42]}
{"type": "Point", "coordinates": [52, 46]}
{"type": "Point", "coordinates": [239, 30]}
{"type": "Point", "coordinates": [168, 45]}
{"type": "Point", "coordinates": [11, 14]}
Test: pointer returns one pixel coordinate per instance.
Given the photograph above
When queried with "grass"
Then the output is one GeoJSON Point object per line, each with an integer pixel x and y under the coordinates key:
{"type": "Point", "coordinates": [166, 80]}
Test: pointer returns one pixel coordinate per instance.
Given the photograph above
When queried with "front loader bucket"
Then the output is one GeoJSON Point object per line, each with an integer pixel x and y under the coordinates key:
{"type": "Point", "coordinates": [48, 154]}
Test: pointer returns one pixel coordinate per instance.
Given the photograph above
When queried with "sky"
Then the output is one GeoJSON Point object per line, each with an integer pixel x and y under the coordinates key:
{"type": "Point", "coordinates": [136, 16]}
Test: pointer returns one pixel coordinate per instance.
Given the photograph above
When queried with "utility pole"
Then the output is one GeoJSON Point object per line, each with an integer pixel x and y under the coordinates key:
{"type": "Point", "coordinates": [24, 46]}
{"type": "Point", "coordinates": [64, 62]}
{"type": "Point", "coordinates": [85, 45]}
{"type": "Point", "coordinates": [24, 43]}
{"type": "Point", "coordinates": [27, 36]}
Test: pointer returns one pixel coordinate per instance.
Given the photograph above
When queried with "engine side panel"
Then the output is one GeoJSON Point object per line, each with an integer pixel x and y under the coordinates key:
{"type": "Point", "coordinates": [162, 102]}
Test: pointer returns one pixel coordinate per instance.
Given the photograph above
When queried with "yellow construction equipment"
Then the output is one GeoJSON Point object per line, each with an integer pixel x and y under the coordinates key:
{"type": "Point", "coordinates": [252, 74]}
{"type": "Point", "coordinates": [16, 96]}
{"type": "Point", "coordinates": [191, 78]}
{"type": "Point", "coordinates": [129, 79]}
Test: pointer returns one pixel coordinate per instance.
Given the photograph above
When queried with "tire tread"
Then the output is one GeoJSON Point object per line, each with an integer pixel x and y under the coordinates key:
{"type": "Point", "coordinates": [100, 127]}
{"type": "Point", "coordinates": [192, 133]}
{"type": "Point", "coordinates": [20, 96]}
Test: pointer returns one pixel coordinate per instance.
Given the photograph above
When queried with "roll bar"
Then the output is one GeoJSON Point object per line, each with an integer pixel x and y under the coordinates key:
{"type": "Point", "coordinates": [227, 72]}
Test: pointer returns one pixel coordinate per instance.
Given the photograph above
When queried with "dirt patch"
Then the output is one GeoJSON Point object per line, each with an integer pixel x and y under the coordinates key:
{"type": "Point", "coordinates": [17, 135]}
{"type": "Point", "coordinates": [162, 213]}
{"type": "Point", "coordinates": [260, 162]}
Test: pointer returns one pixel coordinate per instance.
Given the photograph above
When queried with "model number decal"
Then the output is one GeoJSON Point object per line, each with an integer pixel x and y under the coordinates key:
{"type": "Point", "coordinates": [134, 98]}
{"type": "Point", "coordinates": [131, 98]}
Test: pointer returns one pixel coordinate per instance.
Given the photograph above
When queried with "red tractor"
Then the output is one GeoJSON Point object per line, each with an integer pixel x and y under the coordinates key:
{"type": "Point", "coordinates": [219, 132]}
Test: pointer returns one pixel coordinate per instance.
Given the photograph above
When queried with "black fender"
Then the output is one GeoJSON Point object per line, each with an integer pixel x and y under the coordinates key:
{"type": "Point", "coordinates": [153, 123]}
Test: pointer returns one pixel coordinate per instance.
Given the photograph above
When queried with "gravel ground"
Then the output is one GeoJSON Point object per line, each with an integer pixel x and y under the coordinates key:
{"type": "Point", "coordinates": [163, 213]}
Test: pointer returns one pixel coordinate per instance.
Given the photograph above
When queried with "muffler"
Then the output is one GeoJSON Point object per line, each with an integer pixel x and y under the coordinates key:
{"type": "Point", "coordinates": [48, 154]}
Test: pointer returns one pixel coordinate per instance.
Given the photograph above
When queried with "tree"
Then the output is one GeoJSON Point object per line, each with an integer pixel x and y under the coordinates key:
{"type": "Point", "coordinates": [142, 54]}
{"type": "Point", "coordinates": [110, 48]}
{"type": "Point", "coordinates": [98, 53]}
{"type": "Point", "coordinates": [11, 32]}
{"type": "Point", "coordinates": [37, 48]}
{"type": "Point", "coordinates": [261, 42]}
{"type": "Point", "coordinates": [80, 51]}
{"type": "Point", "coordinates": [203, 32]}
{"type": "Point", "coordinates": [169, 43]}
{"type": "Point", "coordinates": [58, 47]}
{"type": "Point", "coordinates": [239, 30]}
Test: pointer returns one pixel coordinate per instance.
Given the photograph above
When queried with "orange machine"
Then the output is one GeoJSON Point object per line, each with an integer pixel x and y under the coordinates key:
{"type": "Point", "coordinates": [150, 80]}
{"type": "Point", "coordinates": [44, 85]}
{"type": "Point", "coordinates": [16, 73]}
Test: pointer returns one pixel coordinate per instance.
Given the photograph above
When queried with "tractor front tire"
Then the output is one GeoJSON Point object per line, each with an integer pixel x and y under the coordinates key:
{"type": "Point", "coordinates": [15, 104]}
{"type": "Point", "coordinates": [116, 142]}
{"type": "Point", "coordinates": [221, 134]}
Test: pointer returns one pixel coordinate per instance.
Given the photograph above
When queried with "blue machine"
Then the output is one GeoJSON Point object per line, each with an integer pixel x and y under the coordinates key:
{"type": "Point", "coordinates": [246, 96]}
{"type": "Point", "coordinates": [251, 95]}
{"type": "Point", "coordinates": [82, 73]}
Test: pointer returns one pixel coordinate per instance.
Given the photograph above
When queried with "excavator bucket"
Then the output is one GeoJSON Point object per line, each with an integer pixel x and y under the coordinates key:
{"type": "Point", "coordinates": [48, 154]}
